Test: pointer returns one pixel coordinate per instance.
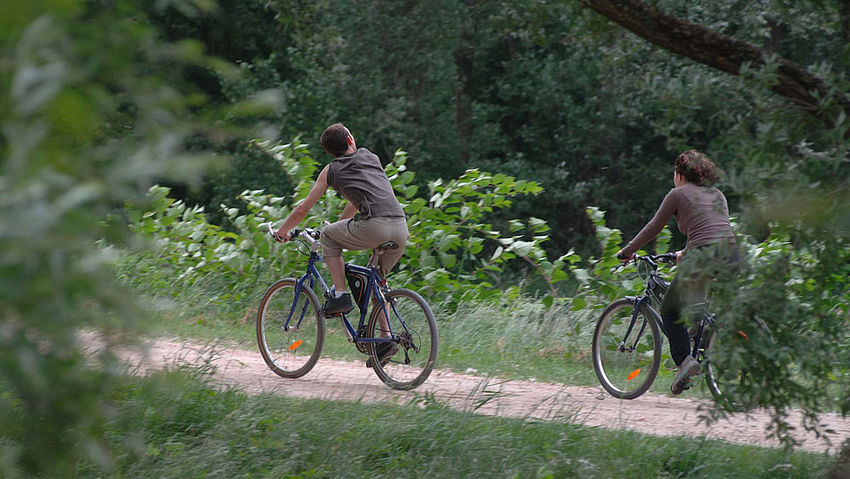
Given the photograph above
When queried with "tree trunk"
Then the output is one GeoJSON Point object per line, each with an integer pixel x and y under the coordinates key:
{"type": "Point", "coordinates": [718, 51]}
{"type": "Point", "coordinates": [844, 14]}
{"type": "Point", "coordinates": [463, 56]}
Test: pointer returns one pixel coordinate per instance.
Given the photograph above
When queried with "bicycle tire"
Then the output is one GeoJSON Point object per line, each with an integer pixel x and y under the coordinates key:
{"type": "Point", "coordinates": [722, 385]}
{"type": "Point", "coordinates": [292, 353]}
{"type": "Point", "coordinates": [411, 320]}
{"type": "Point", "coordinates": [626, 372]}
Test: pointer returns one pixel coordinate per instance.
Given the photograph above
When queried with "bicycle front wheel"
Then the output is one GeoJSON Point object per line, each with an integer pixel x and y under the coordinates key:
{"type": "Point", "coordinates": [412, 328]}
{"type": "Point", "coordinates": [290, 329]}
{"type": "Point", "coordinates": [626, 349]}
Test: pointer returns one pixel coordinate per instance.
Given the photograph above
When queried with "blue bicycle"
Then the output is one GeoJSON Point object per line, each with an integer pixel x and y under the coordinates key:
{"type": "Point", "coordinates": [400, 336]}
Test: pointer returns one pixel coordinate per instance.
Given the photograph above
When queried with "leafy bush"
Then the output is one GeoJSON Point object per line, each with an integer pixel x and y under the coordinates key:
{"type": "Point", "coordinates": [802, 293]}
{"type": "Point", "coordinates": [93, 105]}
{"type": "Point", "coordinates": [453, 254]}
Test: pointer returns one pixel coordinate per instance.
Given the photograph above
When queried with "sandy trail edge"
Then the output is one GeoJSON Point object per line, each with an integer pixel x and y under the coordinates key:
{"type": "Point", "coordinates": [590, 406]}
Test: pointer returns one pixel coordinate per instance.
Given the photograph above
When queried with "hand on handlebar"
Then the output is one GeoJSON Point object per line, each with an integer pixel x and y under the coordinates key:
{"type": "Point", "coordinates": [271, 231]}
{"type": "Point", "coordinates": [622, 257]}
{"type": "Point", "coordinates": [277, 237]}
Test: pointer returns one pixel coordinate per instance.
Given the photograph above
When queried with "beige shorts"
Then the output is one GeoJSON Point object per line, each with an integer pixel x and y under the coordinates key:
{"type": "Point", "coordinates": [358, 235]}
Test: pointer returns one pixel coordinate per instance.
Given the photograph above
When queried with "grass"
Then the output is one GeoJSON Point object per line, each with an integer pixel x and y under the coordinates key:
{"type": "Point", "coordinates": [178, 425]}
{"type": "Point", "coordinates": [208, 432]}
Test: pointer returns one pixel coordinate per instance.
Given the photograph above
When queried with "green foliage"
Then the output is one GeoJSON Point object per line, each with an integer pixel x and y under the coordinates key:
{"type": "Point", "coordinates": [93, 106]}
{"type": "Point", "coordinates": [449, 232]}
{"type": "Point", "coordinates": [492, 85]}
{"type": "Point", "coordinates": [187, 248]}
{"type": "Point", "coordinates": [802, 295]}
{"type": "Point", "coordinates": [452, 247]}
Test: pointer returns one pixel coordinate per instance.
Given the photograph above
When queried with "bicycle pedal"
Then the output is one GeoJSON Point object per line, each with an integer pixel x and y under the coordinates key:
{"type": "Point", "coordinates": [681, 387]}
{"type": "Point", "coordinates": [383, 363]}
{"type": "Point", "coordinates": [386, 359]}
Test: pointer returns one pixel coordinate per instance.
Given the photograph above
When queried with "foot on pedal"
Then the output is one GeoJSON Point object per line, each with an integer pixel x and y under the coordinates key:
{"type": "Point", "coordinates": [338, 305]}
{"type": "Point", "coordinates": [385, 352]}
{"type": "Point", "coordinates": [683, 381]}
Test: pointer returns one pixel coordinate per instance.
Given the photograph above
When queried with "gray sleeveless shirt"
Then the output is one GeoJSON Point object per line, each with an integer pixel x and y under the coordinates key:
{"type": "Point", "coordinates": [360, 178]}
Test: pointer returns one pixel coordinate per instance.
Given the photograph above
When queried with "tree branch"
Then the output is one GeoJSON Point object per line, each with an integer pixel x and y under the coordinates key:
{"type": "Point", "coordinates": [718, 51]}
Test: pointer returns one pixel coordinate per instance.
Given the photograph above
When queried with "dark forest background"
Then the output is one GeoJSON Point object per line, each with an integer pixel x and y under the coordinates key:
{"type": "Point", "coordinates": [547, 91]}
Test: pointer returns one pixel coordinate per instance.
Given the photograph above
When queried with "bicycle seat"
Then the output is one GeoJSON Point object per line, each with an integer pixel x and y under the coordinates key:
{"type": "Point", "coordinates": [388, 246]}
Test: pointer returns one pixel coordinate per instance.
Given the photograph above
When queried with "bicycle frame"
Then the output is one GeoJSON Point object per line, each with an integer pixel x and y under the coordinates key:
{"type": "Point", "coordinates": [645, 299]}
{"type": "Point", "coordinates": [641, 301]}
{"type": "Point", "coordinates": [615, 338]}
{"type": "Point", "coordinates": [312, 276]}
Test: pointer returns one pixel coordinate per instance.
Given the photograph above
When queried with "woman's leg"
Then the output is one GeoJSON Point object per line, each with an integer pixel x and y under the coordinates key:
{"type": "Point", "coordinates": [671, 317]}
{"type": "Point", "coordinates": [687, 289]}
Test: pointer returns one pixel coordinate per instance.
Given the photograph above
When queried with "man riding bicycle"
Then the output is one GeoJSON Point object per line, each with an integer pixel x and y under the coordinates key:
{"type": "Point", "coordinates": [702, 214]}
{"type": "Point", "coordinates": [357, 175]}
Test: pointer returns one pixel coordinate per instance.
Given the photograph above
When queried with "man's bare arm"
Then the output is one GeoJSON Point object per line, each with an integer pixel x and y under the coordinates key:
{"type": "Point", "coordinates": [301, 210]}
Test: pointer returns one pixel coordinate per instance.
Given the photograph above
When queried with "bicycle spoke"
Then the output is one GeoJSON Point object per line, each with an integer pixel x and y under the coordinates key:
{"type": "Point", "coordinates": [411, 327]}
{"type": "Point", "coordinates": [290, 332]}
{"type": "Point", "coordinates": [626, 350]}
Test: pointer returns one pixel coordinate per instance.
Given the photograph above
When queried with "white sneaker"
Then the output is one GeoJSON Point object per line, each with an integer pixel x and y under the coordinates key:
{"type": "Point", "coordinates": [690, 367]}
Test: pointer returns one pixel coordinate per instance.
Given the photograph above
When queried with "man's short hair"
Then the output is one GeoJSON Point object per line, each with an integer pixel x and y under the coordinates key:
{"type": "Point", "coordinates": [335, 139]}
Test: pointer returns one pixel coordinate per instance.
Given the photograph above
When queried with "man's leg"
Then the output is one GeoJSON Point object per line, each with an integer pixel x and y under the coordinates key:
{"type": "Point", "coordinates": [333, 240]}
{"type": "Point", "coordinates": [396, 229]}
{"type": "Point", "coordinates": [335, 237]}
{"type": "Point", "coordinates": [336, 266]}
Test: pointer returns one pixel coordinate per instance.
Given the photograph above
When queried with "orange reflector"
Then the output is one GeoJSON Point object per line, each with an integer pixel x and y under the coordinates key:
{"type": "Point", "coordinates": [742, 334]}
{"type": "Point", "coordinates": [294, 346]}
{"type": "Point", "coordinates": [633, 374]}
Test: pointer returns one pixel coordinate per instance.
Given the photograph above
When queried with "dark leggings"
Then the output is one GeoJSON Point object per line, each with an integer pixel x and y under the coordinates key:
{"type": "Point", "coordinates": [696, 269]}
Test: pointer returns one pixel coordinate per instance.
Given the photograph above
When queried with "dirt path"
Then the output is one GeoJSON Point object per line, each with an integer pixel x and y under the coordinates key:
{"type": "Point", "coordinates": [590, 406]}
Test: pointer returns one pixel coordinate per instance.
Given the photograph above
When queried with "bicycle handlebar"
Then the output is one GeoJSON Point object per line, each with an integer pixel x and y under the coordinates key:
{"type": "Point", "coordinates": [311, 234]}
{"type": "Point", "coordinates": [651, 259]}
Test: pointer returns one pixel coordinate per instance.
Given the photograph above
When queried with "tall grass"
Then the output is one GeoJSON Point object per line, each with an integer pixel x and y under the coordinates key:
{"type": "Point", "coordinates": [174, 425]}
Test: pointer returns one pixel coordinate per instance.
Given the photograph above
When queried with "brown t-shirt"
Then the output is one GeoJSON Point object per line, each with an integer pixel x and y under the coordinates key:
{"type": "Point", "coordinates": [700, 211]}
{"type": "Point", "coordinates": [360, 178]}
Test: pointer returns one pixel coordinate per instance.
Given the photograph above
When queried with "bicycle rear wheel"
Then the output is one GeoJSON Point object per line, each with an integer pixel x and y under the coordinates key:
{"type": "Point", "coordinates": [412, 327]}
{"type": "Point", "coordinates": [725, 383]}
{"type": "Point", "coordinates": [626, 350]}
{"type": "Point", "coordinates": [290, 329]}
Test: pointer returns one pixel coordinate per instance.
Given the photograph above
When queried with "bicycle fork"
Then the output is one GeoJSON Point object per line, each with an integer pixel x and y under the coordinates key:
{"type": "Point", "coordinates": [286, 326]}
{"type": "Point", "coordinates": [638, 302]}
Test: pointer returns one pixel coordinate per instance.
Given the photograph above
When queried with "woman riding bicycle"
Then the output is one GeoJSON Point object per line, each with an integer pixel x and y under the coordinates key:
{"type": "Point", "coordinates": [702, 214]}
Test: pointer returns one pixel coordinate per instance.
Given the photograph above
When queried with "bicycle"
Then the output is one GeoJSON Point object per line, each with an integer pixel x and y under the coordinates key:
{"type": "Point", "coordinates": [290, 321]}
{"type": "Point", "coordinates": [627, 340]}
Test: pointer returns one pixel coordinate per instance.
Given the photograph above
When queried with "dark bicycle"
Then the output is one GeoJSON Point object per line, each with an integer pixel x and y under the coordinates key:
{"type": "Point", "coordinates": [400, 336]}
{"type": "Point", "coordinates": [628, 338]}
